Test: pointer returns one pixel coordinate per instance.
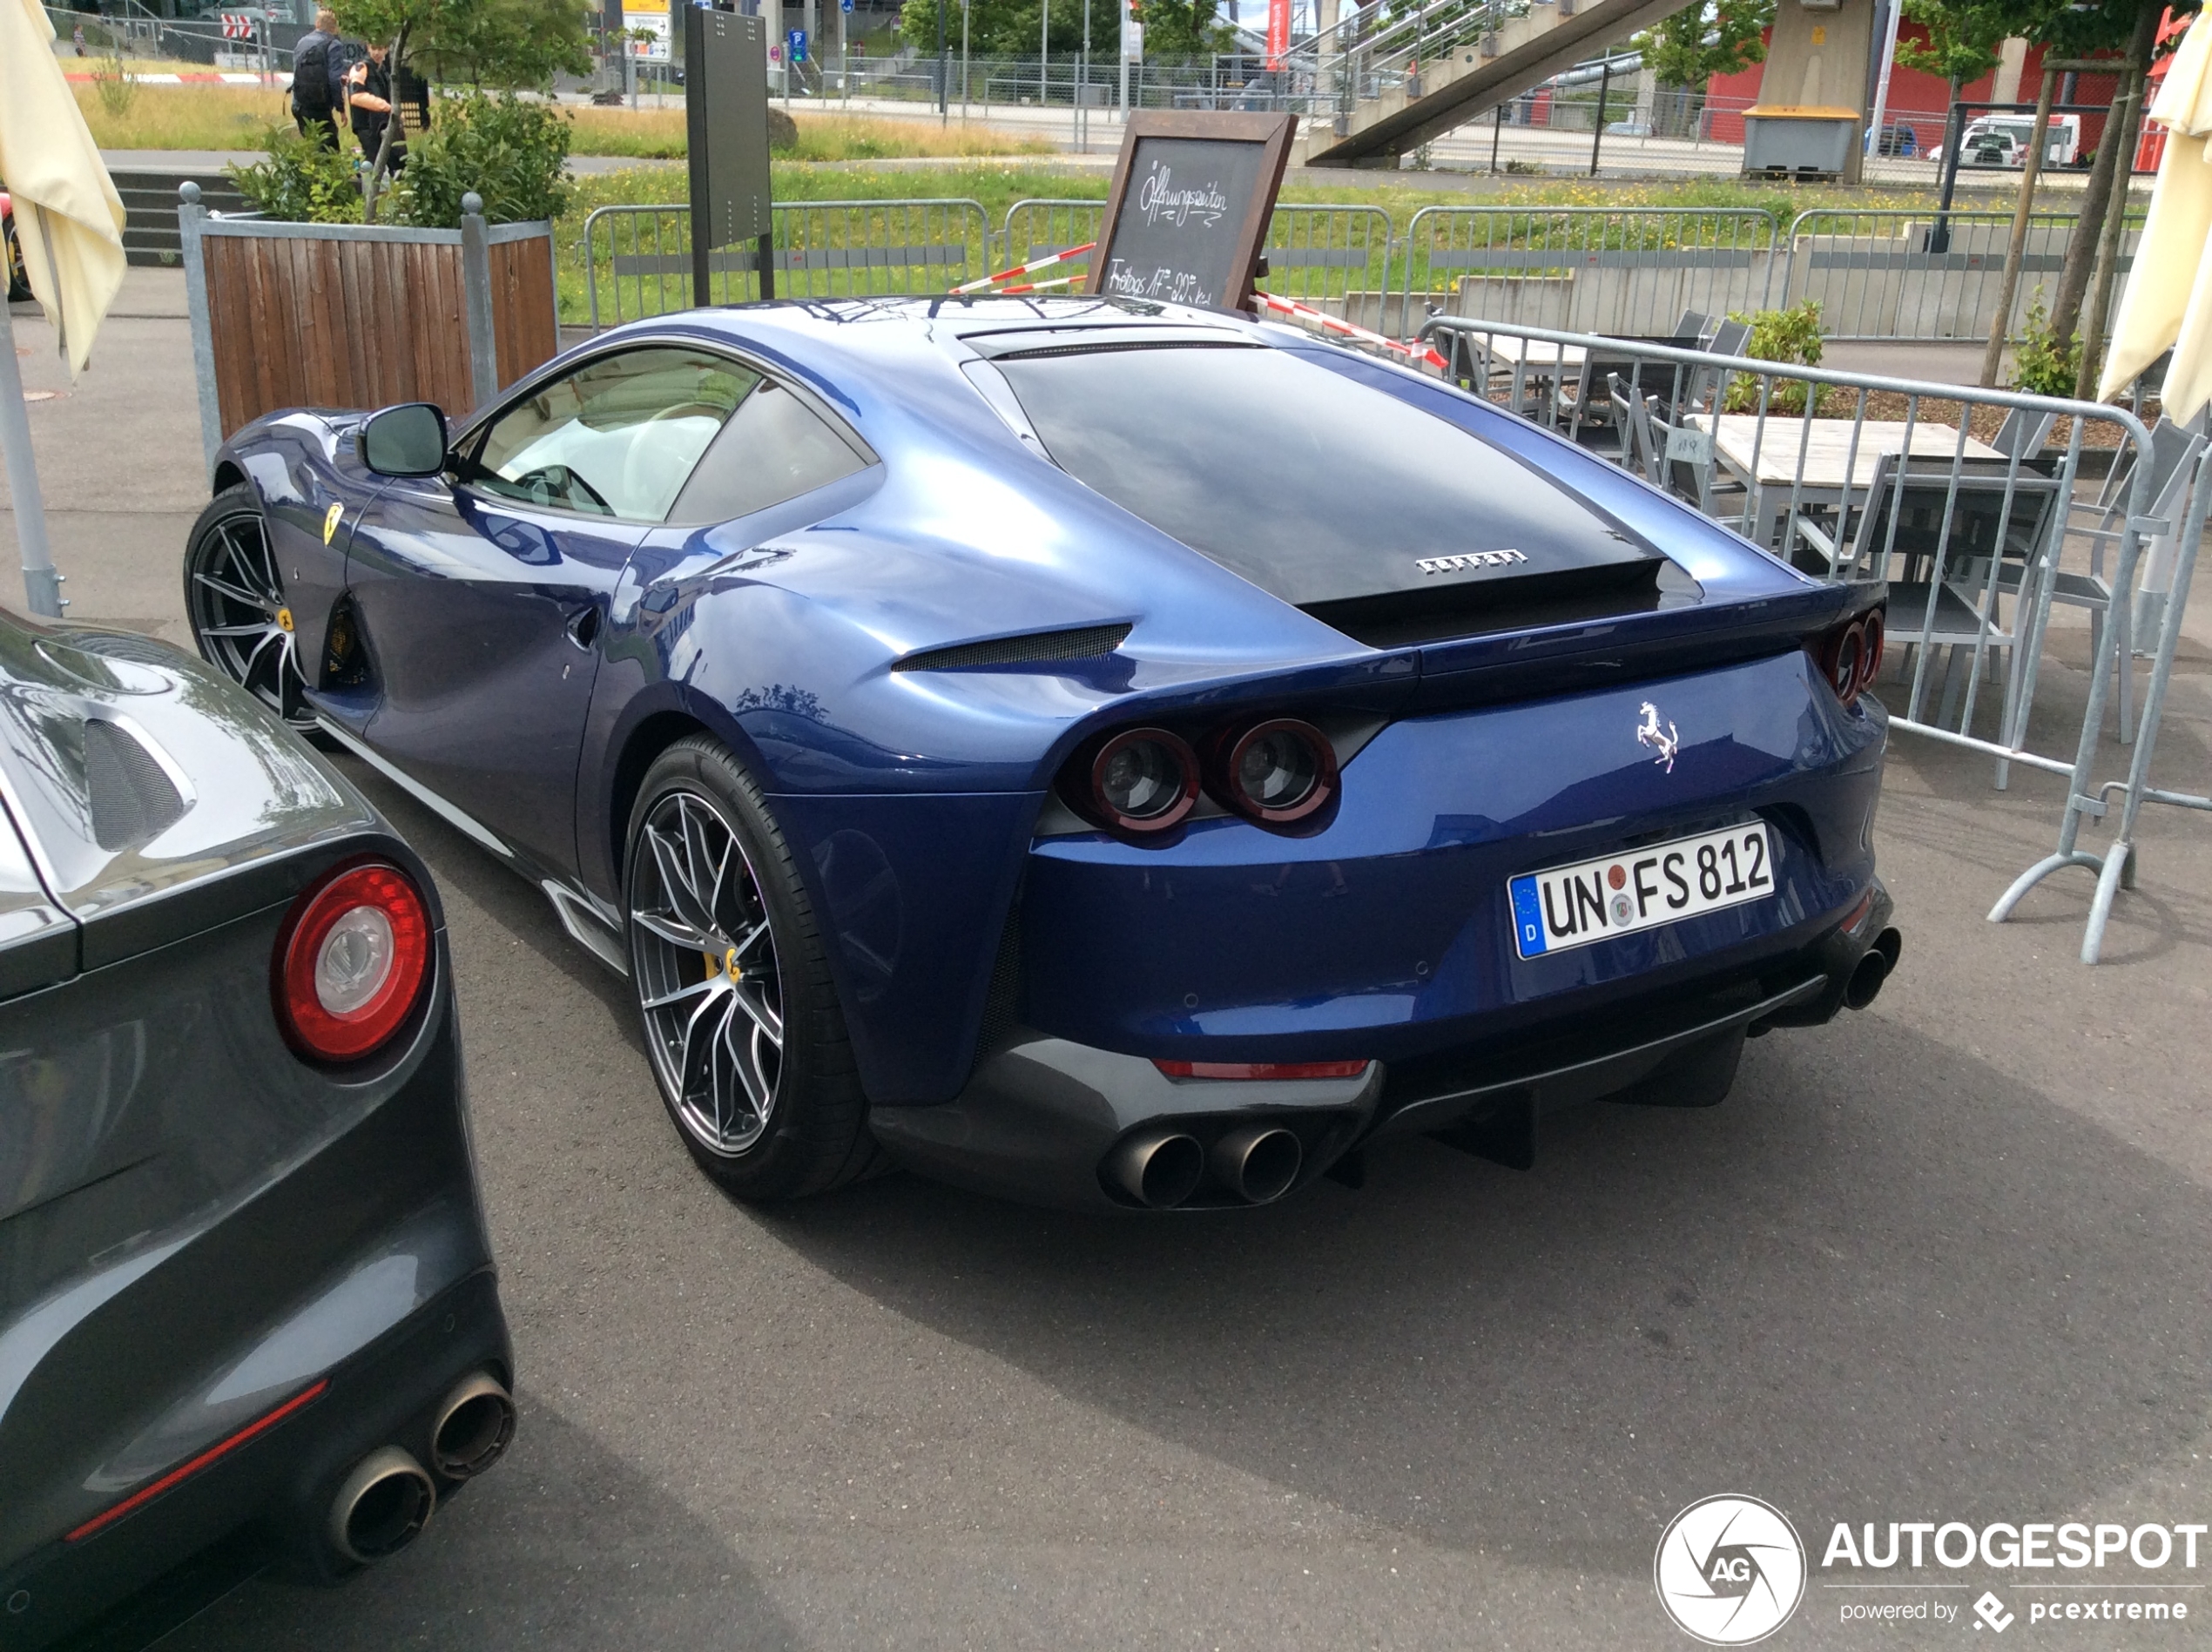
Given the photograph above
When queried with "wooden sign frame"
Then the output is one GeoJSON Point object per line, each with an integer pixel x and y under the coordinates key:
{"type": "Point", "coordinates": [1272, 131]}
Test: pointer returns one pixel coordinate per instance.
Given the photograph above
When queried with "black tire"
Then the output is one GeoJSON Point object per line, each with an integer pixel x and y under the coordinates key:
{"type": "Point", "coordinates": [234, 598]}
{"type": "Point", "coordinates": [18, 283]}
{"type": "Point", "coordinates": [732, 982]}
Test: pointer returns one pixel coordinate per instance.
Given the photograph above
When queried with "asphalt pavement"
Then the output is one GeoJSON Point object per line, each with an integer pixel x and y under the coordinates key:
{"type": "Point", "coordinates": [1944, 1259]}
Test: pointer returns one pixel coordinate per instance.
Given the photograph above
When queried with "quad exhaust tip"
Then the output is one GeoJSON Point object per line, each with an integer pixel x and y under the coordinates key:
{"type": "Point", "coordinates": [1159, 1169]}
{"type": "Point", "coordinates": [474, 1426]}
{"type": "Point", "coordinates": [1258, 1163]}
{"type": "Point", "coordinates": [382, 1507]}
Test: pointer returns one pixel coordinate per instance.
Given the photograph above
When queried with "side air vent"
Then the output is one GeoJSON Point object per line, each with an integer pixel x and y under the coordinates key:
{"type": "Point", "coordinates": [1091, 641]}
{"type": "Point", "coordinates": [131, 796]}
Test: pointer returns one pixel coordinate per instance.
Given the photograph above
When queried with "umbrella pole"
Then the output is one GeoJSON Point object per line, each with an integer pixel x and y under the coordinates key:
{"type": "Point", "coordinates": [42, 585]}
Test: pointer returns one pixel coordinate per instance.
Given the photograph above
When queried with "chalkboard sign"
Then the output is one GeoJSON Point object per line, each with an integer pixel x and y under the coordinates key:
{"type": "Point", "coordinates": [1186, 221]}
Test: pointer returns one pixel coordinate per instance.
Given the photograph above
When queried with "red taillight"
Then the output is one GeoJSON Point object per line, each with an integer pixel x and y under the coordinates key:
{"type": "Point", "coordinates": [1277, 772]}
{"type": "Point", "coordinates": [1138, 783]}
{"type": "Point", "coordinates": [1261, 1069]}
{"type": "Point", "coordinates": [1850, 654]}
{"type": "Point", "coordinates": [351, 962]}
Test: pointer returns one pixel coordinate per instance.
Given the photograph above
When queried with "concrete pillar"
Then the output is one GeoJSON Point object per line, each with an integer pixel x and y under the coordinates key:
{"type": "Point", "coordinates": [2012, 59]}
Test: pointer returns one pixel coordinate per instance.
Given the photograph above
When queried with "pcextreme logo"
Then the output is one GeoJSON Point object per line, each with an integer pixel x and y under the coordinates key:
{"type": "Point", "coordinates": [1729, 1570]}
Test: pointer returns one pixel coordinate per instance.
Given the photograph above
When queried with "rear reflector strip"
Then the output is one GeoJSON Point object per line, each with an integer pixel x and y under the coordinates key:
{"type": "Point", "coordinates": [1261, 1069]}
{"type": "Point", "coordinates": [184, 1471]}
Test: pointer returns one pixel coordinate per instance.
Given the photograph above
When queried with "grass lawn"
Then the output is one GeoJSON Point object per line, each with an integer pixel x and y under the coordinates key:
{"type": "Point", "coordinates": [219, 117]}
{"type": "Point", "coordinates": [657, 134]}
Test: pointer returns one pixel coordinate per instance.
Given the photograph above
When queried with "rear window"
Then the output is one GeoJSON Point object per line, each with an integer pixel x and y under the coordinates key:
{"type": "Point", "coordinates": [1312, 485]}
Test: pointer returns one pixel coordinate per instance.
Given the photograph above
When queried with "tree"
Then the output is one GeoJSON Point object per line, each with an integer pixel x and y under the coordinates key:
{"type": "Point", "coordinates": [1963, 39]}
{"type": "Point", "coordinates": [1719, 37]}
{"type": "Point", "coordinates": [508, 45]}
{"type": "Point", "coordinates": [1009, 28]}
{"type": "Point", "coordinates": [1685, 52]}
{"type": "Point", "coordinates": [505, 44]}
{"type": "Point", "coordinates": [2073, 32]}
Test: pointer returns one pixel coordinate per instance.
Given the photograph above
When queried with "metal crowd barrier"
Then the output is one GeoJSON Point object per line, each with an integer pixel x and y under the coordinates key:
{"type": "Point", "coordinates": [1920, 275]}
{"type": "Point", "coordinates": [1594, 269]}
{"type": "Point", "coordinates": [1976, 524]}
{"type": "Point", "coordinates": [637, 260]}
{"type": "Point", "coordinates": [1036, 227]}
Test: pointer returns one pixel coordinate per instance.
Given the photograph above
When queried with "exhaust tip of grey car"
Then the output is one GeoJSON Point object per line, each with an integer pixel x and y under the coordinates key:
{"type": "Point", "coordinates": [382, 1507]}
{"type": "Point", "coordinates": [1159, 1169]}
{"type": "Point", "coordinates": [476, 1425]}
{"type": "Point", "coordinates": [1259, 1163]}
{"type": "Point", "coordinates": [1873, 969]}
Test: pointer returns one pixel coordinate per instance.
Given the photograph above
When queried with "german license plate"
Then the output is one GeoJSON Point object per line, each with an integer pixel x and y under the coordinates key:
{"type": "Point", "coordinates": [1619, 894]}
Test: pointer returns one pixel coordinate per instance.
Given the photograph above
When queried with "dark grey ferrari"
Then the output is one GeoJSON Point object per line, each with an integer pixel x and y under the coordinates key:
{"type": "Point", "coordinates": [247, 1297]}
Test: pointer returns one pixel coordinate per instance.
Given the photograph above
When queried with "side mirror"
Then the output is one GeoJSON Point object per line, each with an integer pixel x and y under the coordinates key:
{"type": "Point", "coordinates": [406, 440]}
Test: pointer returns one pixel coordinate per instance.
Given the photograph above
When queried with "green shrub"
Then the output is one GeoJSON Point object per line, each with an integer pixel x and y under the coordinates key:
{"type": "Point", "coordinates": [2043, 365]}
{"type": "Point", "coordinates": [508, 149]}
{"type": "Point", "coordinates": [300, 181]}
{"type": "Point", "coordinates": [1791, 335]}
{"type": "Point", "coordinates": [117, 92]}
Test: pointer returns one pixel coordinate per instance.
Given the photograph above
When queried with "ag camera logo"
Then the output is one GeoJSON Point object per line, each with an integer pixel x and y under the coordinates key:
{"type": "Point", "coordinates": [1729, 1570]}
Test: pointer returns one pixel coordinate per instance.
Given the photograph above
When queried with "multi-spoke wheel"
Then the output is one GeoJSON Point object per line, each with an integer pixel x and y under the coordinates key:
{"type": "Point", "coordinates": [235, 600]}
{"type": "Point", "coordinates": [11, 256]}
{"type": "Point", "coordinates": [741, 1019]}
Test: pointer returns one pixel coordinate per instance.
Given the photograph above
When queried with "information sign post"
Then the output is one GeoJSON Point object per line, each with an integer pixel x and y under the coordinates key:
{"type": "Point", "coordinates": [725, 108]}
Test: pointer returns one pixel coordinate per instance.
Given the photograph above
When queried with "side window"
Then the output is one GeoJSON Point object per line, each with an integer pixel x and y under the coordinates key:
{"type": "Point", "coordinates": [618, 437]}
{"type": "Point", "coordinates": [774, 448]}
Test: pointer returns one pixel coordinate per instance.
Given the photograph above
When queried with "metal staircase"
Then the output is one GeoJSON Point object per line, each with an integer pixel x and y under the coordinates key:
{"type": "Point", "coordinates": [1396, 77]}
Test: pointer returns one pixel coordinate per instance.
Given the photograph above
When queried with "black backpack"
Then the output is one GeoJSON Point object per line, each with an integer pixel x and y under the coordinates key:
{"type": "Point", "coordinates": [311, 77]}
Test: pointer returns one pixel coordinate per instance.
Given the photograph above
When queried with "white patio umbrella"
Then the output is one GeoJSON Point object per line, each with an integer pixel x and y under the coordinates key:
{"type": "Point", "coordinates": [2168, 300]}
{"type": "Point", "coordinates": [70, 221]}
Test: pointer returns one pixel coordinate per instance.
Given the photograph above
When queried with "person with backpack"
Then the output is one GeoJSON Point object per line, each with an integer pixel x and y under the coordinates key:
{"type": "Point", "coordinates": [314, 102]}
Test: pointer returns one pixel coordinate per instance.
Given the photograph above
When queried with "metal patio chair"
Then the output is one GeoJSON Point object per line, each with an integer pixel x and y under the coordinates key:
{"type": "Point", "coordinates": [1944, 534]}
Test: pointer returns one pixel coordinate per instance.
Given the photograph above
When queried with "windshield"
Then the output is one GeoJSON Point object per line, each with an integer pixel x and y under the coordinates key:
{"type": "Point", "coordinates": [1308, 484]}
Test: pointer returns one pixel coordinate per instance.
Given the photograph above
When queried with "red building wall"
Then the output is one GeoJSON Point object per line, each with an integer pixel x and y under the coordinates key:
{"type": "Point", "coordinates": [1916, 99]}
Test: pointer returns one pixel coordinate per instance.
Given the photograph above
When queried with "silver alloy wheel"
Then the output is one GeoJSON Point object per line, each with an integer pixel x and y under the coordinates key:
{"type": "Point", "coordinates": [705, 965]}
{"type": "Point", "coordinates": [240, 617]}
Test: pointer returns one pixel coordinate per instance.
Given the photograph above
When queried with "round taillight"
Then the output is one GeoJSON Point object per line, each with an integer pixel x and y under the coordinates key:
{"type": "Point", "coordinates": [1841, 660]}
{"type": "Point", "coordinates": [351, 961]}
{"type": "Point", "coordinates": [1144, 780]}
{"type": "Point", "coordinates": [1277, 771]}
{"type": "Point", "coordinates": [1872, 630]}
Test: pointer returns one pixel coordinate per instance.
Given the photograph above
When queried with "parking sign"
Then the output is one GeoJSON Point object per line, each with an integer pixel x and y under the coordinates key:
{"type": "Point", "coordinates": [797, 39]}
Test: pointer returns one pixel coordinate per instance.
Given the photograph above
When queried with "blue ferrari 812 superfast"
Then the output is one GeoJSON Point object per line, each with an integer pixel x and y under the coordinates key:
{"type": "Point", "coordinates": [1096, 752]}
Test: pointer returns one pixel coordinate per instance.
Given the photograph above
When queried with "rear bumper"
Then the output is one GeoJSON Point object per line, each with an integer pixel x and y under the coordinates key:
{"type": "Point", "coordinates": [352, 1255]}
{"type": "Point", "coordinates": [268, 1491]}
{"type": "Point", "coordinates": [1387, 933]}
{"type": "Point", "coordinates": [1043, 1115]}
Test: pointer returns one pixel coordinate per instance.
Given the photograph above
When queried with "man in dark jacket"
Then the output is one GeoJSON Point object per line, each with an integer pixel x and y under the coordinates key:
{"type": "Point", "coordinates": [368, 103]}
{"type": "Point", "coordinates": [314, 102]}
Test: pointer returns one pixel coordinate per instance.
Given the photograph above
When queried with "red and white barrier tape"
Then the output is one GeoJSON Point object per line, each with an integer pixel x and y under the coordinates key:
{"type": "Point", "coordinates": [1030, 268]}
{"type": "Point", "coordinates": [1420, 354]}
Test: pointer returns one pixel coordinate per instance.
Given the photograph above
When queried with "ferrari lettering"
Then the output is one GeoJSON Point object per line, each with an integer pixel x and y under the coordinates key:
{"type": "Point", "coordinates": [1466, 562]}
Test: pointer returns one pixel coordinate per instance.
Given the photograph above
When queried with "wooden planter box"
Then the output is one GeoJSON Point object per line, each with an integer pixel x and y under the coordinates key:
{"type": "Point", "coordinates": [354, 315]}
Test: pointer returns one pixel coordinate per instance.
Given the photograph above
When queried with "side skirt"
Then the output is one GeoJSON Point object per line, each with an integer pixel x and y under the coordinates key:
{"type": "Point", "coordinates": [590, 923]}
